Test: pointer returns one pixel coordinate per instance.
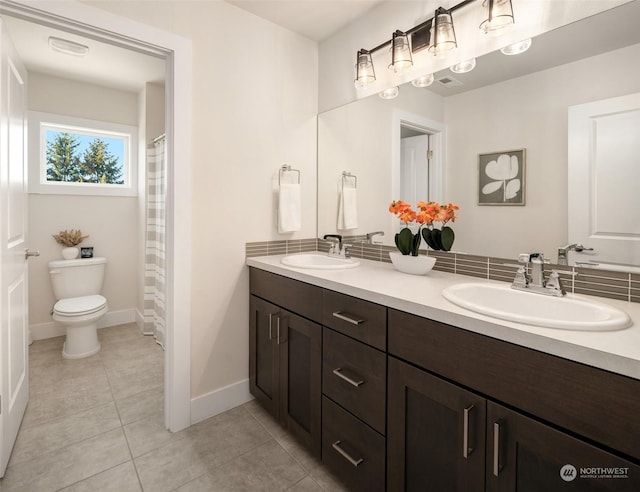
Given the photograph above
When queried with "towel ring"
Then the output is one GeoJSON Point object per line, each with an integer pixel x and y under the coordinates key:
{"type": "Point", "coordinates": [286, 168]}
{"type": "Point", "coordinates": [346, 176]}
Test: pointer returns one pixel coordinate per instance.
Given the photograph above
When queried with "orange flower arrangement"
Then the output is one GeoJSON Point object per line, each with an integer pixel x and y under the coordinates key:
{"type": "Point", "coordinates": [427, 214]}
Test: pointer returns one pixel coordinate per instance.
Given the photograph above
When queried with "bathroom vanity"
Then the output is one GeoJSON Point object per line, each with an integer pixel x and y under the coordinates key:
{"type": "Point", "coordinates": [395, 388]}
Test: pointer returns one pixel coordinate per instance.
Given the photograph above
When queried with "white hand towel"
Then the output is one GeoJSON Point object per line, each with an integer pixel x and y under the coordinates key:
{"type": "Point", "coordinates": [289, 216]}
{"type": "Point", "coordinates": [348, 209]}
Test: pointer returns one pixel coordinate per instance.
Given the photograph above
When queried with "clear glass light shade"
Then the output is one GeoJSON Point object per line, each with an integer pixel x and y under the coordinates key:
{"type": "Point", "coordinates": [423, 81]}
{"type": "Point", "coordinates": [517, 48]}
{"type": "Point", "coordinates": [464, 67]}
{"type": "Point", "coordinates": [499, 15]}
{"type": "Point", "coordinates": [400, 53]}
{"type": "Point", "coordinates": [365, 73]}
{"type": "Point", "coordinates": [443, 35]}
{"type": "Point", "coordinates": [389, 93]}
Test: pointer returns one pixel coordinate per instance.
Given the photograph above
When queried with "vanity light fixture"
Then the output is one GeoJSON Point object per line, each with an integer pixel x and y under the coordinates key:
{"type": "Point", "coordinates": [517, 48]}
{"type": "Point", "coordinates": [464, 67]}
{"type": "Point", "coordinates": [390, 93]}
{"type": "Point", "coordinates": [365, 73]}
{"type": "Point", "coordinates": [423, 81]}
{"type": "Point", "coordinates": [437, 34]}
{"type": "Point", "coordinates": [499, 15]}
{"type": "Point", "coordinates": [67, 47]}
{"type": "Point", "coordinates": [443, 34]}
{"type": "Point", "coordinates": [400, 53]}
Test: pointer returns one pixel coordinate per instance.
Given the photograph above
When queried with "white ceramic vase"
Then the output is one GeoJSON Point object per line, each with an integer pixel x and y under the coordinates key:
{"type": "Point", "coordinates": [70, 253]}
{"type": "Point", "coordinates": [415, 265]}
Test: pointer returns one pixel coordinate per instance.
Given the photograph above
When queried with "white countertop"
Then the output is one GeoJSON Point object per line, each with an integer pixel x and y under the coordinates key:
{"type": "Point", "coordinates": [615, 351]}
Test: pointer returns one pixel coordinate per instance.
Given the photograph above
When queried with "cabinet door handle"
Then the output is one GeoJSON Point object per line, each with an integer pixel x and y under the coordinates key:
{"type": "Point", "coordinates": [345, 455]}
{"type": "Point", "coordinates": [466, 448]}
{"type": "Point", "coordinates": [271, 315]}
{"type": "Point", "coordinates": [352, 382]}
{"type": "Point", "coordinates": [278, 329]}
{"type": "Point", "coordinates": [348, 317]}
{"type": "Point", "coordinates": [497, 467]}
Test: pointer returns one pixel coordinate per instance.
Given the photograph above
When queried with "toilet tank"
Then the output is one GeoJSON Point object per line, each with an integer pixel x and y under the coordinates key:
{"type": "Point", "coordinates": [77, 278]}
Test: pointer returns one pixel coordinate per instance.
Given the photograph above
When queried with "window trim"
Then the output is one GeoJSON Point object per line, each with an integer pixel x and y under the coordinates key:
{"type": "Point", "coordinates": [40, 122]}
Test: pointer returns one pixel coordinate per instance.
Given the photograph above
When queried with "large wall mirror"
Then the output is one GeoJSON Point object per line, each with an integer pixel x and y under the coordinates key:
{"type": "Point", "coordinates": [506, 103]}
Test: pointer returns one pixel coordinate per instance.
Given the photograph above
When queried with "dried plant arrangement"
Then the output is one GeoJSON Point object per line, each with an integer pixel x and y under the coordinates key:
{"type": "Point", "coordinates": [69, 238]}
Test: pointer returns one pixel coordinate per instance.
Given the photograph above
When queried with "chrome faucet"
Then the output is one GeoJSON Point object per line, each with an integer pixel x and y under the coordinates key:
{"type": "Point", "coordinates": [534, 281]}
{"type": "Point", "coordinates": [370, 236]}
{"type": "Point", "coordinates": [337, 248]}
{"type": "Point", "coordinates": [563, 252]}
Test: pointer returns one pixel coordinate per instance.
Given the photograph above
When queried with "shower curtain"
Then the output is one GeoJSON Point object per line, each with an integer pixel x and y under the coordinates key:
{"type": "Point", "coordinates": [154, 281]}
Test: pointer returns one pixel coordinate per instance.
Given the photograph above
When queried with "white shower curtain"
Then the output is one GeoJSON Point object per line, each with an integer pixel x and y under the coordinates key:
{"type": "Point", "coordinates": [154, 281]}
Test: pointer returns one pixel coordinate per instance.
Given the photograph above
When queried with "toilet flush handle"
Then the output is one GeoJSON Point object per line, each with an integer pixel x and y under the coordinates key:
{"type": "Point", "coordinates": [54, 272]}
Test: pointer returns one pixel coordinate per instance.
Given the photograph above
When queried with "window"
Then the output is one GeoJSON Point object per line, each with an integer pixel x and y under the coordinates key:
{"type": "Point", "coordinates": [82, 157]}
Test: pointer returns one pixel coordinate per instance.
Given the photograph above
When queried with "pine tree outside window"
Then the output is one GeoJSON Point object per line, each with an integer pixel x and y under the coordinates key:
{"type": "Point", "coordinates": [81, 157]}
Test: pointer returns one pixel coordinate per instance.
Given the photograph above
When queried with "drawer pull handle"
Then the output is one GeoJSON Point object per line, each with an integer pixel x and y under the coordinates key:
{"type": "Point", "coordinates": [496, 449]}
{"type": "Point", "coordinates": [352, 382]}
{"type": "Point", "coordinates": [345, 455]}
{"type": "Point", "coordinates": [348, 317]}
{"type": "Point", "coordinates": [466, 449]}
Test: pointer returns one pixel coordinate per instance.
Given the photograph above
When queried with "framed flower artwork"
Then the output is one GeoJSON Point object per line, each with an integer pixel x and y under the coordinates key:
{"type": "Point", "coordinates": [501, 178]}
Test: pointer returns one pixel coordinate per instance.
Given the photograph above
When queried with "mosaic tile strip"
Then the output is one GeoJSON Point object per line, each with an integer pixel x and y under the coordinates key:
{"type": "Point", "coordinates": [589, 281]}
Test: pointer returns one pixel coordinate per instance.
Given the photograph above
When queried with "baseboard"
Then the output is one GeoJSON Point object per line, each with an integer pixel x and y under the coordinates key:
{"type": "Point", "coordinates": [140, 321]}
{"type": "Point", "coordinates": [41, 331]}
{"type": "Point", "coordinates": [220, 400]}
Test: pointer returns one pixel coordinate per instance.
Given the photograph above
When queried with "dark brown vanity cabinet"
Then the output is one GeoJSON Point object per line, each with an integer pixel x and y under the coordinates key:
{"type": "Point", "coordinates": [285, 355]}
{"type": "Point", "coordinates": [354, 387]}
{"type": "Point", "coordinates": [394, 401]}
{"type": "Point", "coordinates": [436, 434]}
{"type": "Point", "coordinates": [446, 430]}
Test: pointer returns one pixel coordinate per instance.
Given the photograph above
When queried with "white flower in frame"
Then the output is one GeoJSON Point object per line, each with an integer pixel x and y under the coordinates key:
{"type": "Point", "coordinates": [504, 170]}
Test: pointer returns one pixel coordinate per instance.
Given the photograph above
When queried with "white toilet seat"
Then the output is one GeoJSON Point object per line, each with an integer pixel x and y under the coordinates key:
{"type": "Point", "coordinates": [79, 306]}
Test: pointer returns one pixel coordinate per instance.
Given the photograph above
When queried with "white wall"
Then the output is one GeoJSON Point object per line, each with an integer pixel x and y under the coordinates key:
{"type": "Point", "coordinates": [528, 112]}
{"type": "Point", "coordinates": [337, 55]}
{"type": "Point", "coordinates": [254, 107]}
{"type": "Point", "coordinates": [111, 222]}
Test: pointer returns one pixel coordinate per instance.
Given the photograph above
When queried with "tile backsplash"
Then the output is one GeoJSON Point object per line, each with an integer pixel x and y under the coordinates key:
{"type": "Point", "coordinates": [588, 281]}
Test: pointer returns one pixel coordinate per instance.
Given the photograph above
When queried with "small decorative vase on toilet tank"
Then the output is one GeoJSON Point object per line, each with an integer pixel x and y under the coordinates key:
{"type": "Point", "coordinates": [70, 239]}
{"type": "Point", "coordinates": [70, 253]}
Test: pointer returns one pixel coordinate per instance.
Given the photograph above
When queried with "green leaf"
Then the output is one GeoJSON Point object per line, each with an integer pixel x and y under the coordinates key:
{"type": "Point", "coordinates": [447, 237]}
{"type": "Point", "coordinates": [415, 245]}
{"type": "Point", "coordinates": [436, 237]}
{"type": "Point", "coordinates": [428, 237]}
{"type": "Point", "coordinates": [404, 241]}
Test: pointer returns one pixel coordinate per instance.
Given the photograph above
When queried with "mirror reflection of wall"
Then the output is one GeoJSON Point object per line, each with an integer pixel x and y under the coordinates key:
{"type": "Point", "coordinates": [525, 111]}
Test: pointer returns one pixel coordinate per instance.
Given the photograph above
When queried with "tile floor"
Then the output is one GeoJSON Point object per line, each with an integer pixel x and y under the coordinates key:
{"type": "Point", "coordinates": [96, 424]}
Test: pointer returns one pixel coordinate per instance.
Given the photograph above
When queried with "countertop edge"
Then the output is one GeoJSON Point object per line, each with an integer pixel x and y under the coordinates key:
{"type": "Point", "coordinates": [593, 349]}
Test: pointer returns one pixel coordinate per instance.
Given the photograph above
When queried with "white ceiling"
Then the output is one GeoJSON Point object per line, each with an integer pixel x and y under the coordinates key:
{"type": "Point", "coordinates": [105, 64]}
{"type": "Point", "coordinates": [314, 19]}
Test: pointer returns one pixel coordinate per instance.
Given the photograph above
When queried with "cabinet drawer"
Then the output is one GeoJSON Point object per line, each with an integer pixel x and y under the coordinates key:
{"type": "Point", "coordinates": [532, 381]}
{"type": "Point", "coordinates": [301, 298]}
{"type": "Point", "coordinates": [352, 450]}
{"type": "Point", "coordinates": [362, 320]}
{"type": "Point", "coordinates": [354, 375]}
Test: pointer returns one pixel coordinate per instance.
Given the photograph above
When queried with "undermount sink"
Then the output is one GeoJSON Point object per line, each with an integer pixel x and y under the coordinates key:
{"type": "Point", "coordinates": [570, 312]}
{"type": "Point", "coordinates": [319, 261]}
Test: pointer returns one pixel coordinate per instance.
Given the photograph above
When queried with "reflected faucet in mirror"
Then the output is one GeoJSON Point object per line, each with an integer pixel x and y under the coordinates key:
{"type": "Point", "coordinates": [371, 235]}
{"type": "Point", "coordinates": [563, 252]}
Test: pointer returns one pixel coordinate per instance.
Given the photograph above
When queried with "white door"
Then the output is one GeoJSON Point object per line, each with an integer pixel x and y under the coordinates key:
{"type": "Point", "coordinates": [14, 367]}
{"type": "Point", "coordinates": [604, 202]}
{"type": "Point", "coordinates": [414, 169]}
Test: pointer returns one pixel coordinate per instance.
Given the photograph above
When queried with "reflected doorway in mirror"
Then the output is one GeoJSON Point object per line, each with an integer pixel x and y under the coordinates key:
{"type": "Point", "coordinates": [501, 178]}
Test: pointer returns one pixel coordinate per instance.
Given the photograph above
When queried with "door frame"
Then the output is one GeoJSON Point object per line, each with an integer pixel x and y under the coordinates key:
{"type": "Point", "coordinates": [177, 51]}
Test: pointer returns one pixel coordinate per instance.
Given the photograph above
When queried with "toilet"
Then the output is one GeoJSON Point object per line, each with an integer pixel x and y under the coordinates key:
{"type": "Point", "coordinates": [77, 285]}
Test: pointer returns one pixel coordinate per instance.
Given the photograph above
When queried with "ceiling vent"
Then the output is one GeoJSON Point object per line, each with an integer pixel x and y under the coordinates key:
{"type": "Point", "coordinates": [448, 81]}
